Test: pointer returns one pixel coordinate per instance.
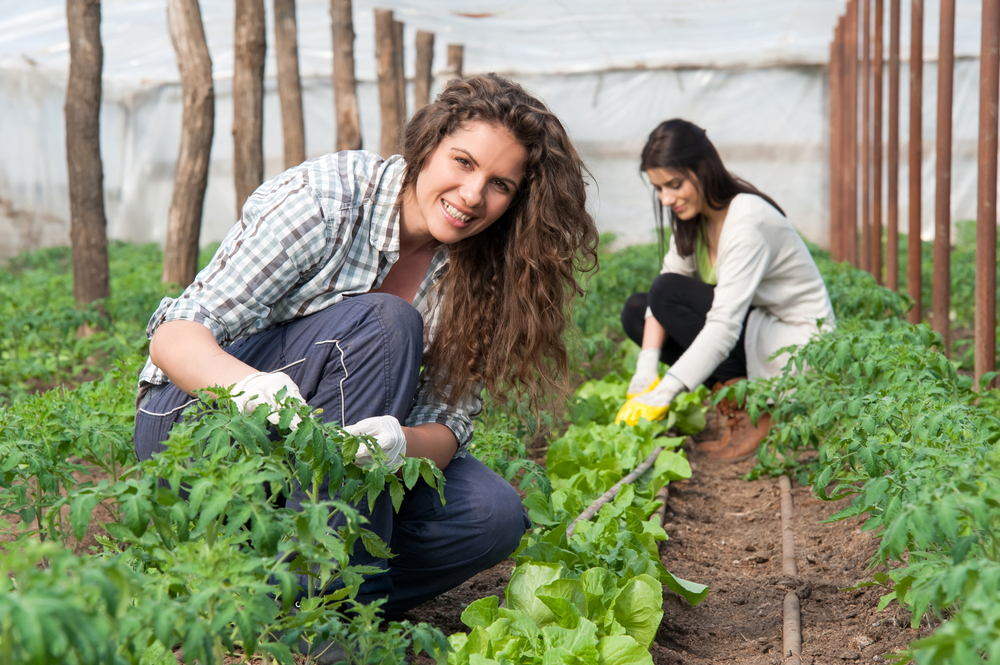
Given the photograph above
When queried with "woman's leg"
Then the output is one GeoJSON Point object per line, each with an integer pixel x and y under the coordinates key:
{"type": "Point", "coordinates": [681, 304]}
{"type": "Point", "coordinates": [358, 358]}
{"type": "Point", "coordinates": [438, 547]}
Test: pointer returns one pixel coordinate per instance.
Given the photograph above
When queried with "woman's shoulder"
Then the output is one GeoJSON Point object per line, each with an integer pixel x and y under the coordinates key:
{"type": "Point", "coordinates": [751, 208]}
{"type": "Point", "coordinates": [351, 177]}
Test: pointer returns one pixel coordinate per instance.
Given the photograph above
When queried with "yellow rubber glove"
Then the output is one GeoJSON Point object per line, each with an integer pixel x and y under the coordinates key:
{"type": "Point", "coordinates": [632, 410]}
{"type": "Point", "coordinates": [652, 405]}
{"type": "Point", "coordinates": [643, 392]}
{"type": "Point", "coordinates": [647, 373]}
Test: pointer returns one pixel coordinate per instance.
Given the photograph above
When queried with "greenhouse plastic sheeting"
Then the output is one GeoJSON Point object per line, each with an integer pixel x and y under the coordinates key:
{"type": "Point", "coordinates": [751, 72]}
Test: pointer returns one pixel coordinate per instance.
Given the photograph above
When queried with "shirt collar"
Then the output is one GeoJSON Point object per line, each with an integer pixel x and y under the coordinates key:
{"type": "Point", "coordinates": [384, 235]}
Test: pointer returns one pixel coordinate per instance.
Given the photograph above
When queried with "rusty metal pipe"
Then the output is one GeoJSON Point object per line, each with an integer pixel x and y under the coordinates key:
{"type": "Point", "coordinates": [851, 138]}
{"type": "Point", "coordinates": [892, 166]}
{"type": "Point", "coordinates": [866, 145]}
{"type": "Point", "coordinates": [875, 244]}
{"type": "Point", "coordinates": [941, 283]}
{"type": "Point", "coordinates": [916, 138]}
{"type": "Point", "coordinates": [986, 204]}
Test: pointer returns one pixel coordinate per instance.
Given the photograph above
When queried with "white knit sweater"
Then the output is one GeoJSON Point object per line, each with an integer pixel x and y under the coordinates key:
{"type": "Point", "coordinates": [761, 262]}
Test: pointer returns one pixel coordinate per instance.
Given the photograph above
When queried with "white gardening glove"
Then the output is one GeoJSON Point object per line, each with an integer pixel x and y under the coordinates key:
{"type": "Point", "coordinates": [387, 431]}
{"type": "Point", "coordinates": [647, 372]}
{"type": "Point", "coordinates": [261, 388]}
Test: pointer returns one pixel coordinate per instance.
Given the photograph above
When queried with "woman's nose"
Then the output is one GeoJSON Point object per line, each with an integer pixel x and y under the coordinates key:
{"type": "Point", "coordinates": [472, 191]}
{"type": "Point", "coordinates": [667, 198]}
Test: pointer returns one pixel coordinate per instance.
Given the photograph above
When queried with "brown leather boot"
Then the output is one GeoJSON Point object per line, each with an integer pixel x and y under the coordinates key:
{"type": "Point", "coordinates": [744, 438]}
{"type": "Point", "coordinates": [721, 417]}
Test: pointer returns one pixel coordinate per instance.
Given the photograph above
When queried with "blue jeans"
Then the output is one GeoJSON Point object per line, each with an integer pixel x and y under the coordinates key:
{"type": "Point", "coordinates": [360, 358]}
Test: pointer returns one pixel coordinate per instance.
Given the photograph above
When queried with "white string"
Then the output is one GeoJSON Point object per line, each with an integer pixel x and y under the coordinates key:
{"type": "Point", "coordinates": [343, 415]}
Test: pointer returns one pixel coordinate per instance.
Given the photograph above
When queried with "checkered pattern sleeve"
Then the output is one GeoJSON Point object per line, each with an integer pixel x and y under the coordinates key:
{"type": "Point", "coordinates": [429, 408]}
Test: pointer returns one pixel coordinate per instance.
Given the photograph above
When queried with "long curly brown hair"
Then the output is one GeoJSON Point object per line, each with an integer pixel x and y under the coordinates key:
{"type": "Point", "coordinates": [505, 295]}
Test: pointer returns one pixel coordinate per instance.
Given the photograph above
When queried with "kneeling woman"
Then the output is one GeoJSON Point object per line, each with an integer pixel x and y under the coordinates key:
{"type": "Point", "coordinates": [737, 285]}
{"type": "Point", "coordinates": [389, 293]}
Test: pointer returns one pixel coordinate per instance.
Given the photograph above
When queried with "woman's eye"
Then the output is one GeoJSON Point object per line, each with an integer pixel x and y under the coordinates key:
{"type": "Point", "coordinates": [501, 185]}
{"type": "Point", "coordinates": [462, 160]}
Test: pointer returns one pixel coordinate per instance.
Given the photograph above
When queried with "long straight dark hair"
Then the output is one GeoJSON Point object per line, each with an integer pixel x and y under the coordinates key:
{"type": "Point", "coordinates": [683, 146]}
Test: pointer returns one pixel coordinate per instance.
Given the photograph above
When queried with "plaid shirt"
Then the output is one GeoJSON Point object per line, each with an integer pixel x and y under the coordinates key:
{"type": "Point", "coordinates": [308, 238]}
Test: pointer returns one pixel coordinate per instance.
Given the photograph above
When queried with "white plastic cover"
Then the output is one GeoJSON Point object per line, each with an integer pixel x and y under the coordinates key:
{"type": "Point", "coordinates": [752, 72]}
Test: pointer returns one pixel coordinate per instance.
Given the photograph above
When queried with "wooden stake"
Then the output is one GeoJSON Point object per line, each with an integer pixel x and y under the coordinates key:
{"type": "Point", "coordinates": [941, 284]}
{"type": "Point", "coordinates": [388, 86]}
{"type": "Point", "coordinates": [424, 70]}
{"type": "Point", "coordinates": [876, 235]}
{"type": "Point", "coordinates": [455, 57]}
{"type": "Point", "coordinates": [187, 34]}
{"type": "Point", "coordinates": [248, 99]}
{"type": "Point", "coordinates": [345, 93]}
{"type": "Point", "coordinates": [399, 70]}
{"type": "Point", "coordinates": [88, 224]}
{"type": "Point", "coordinates": [792, 624]}
{"type": "Point", "coordinates": [986, 199]}
{"type": "Point", "coordinates": [892, 171]}
{"type": "Point", "coordinates": [913, 258]}
{"type": "Point", "coordinates": [289, 85]}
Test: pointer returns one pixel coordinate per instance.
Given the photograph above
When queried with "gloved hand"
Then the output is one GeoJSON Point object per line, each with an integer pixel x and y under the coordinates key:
{"type": "Point", "coordinates": [262, 388]}
{"type": "Point", "coordinates": [387, 431]}
{"type": "Point", "coordinates": [652, 405]}
{"type": "Point", "coordinates": [647, 373]}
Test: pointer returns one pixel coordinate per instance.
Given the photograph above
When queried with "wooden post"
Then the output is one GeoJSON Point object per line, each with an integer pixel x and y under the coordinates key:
{"type": "Point", "coordinates": [876, 236]}
{"type": "Point", "coordinates": [913, 257]}
{"type": "Point", "coordinates": [892, 168]}
{"type": "Point", "coordinates": [424, 70]}
{"type": "Point", "coordinates": [399, 69]}
{"type": "Point", "coordinates": [986, 203]}
{"type": "Point", "coordinates": [866, 144]}
{"type": "Point", "coordinates": [850, 251]}
{"type": "Point", "coordinates": [88, 224]}
{"type": "Point", "coordinates": [187, 34]}
{"type": "Point", "coordinates": [286, 45]}
{"type": "Point", "coordinates": [248, 99]}
{"type": "Point", "coordinates": [345, 89]}
{"type": "Point", "coordinates": [388, 85]}
{"type": "Point", "coordinates": [941, 284]}
{"type": "Point", "coordinates": [456, 54]}
{"type": "Point", "coordinates": [836, 195]}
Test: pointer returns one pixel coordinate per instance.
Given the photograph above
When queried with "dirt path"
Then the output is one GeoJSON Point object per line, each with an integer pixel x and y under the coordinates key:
{"type": "Point", "coordinates": [725, 532]}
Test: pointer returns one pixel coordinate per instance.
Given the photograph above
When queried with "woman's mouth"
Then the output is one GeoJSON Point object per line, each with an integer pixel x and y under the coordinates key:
{"type": "Point", "coordinates": [457, 217]}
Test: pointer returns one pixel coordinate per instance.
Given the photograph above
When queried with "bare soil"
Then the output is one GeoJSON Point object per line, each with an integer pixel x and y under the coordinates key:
{"type": "Point", "coordinates": [726, 532]}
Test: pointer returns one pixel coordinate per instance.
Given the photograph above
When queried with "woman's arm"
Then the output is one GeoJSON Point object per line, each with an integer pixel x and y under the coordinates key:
{"type": "Point", "coordinates": [433, 441]}
{"type": "Point", "coordinates": [191, 358]}
{"type": "Point", "coordinates": [653, 334]}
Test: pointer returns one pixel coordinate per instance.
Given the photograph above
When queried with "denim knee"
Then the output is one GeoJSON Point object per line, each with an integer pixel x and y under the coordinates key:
{"type": "Point", "coordinates": [400, 320]}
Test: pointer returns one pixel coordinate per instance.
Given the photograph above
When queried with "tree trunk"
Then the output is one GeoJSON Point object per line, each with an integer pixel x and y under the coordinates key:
{"type": "Point", "coordinates": [187, 34]}
{"type": "Point", "coordinates": [424, 70]}
{"type": "Point", "coordinates": [345, 92]}
{"type": "Point", "coordinates": [388, 84]}
{"type": "Point", "coordinates": [399, 69]}
{"type": "Point", "coordinates": [289, 85]}
{"type": "Point", "coordinates": [88, 225]}
{"type": "Point", "coordinates": [455, 56]}
{"type": "Point", "coordinates": [248, 99]}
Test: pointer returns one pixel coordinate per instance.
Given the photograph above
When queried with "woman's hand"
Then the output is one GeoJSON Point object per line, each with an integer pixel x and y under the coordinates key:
{"type": "Point", "coordinates": [263, 388]}
{"type": "Point", "coordinates": [647, 373]}
{"type": "Point", "coordinates": [652, 405]}
{"type": "Point", "coordinates": [389, 435]}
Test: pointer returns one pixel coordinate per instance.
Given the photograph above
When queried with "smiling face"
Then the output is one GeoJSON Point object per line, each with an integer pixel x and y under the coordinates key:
{"type": "Point", "coordinates": [466, 184]}
{"type": "Point", "coordinates": [678, 191]}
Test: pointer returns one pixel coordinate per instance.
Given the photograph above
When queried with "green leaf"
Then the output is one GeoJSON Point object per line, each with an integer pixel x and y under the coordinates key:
{"type": "Point", "coordinates": [79, 513]}
{"type": "Point", "coordinates": [639, 608]}
{"type": "Point", "coordinates": [622, 650]}
{"type": "Point", "coordinates": [482, 612]}
{"type": "Point", "coordinates": [524, 581]}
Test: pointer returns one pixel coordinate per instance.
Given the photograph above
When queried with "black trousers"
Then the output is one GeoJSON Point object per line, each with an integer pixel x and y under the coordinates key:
{"type": "Point", "coordinates": [680, 304]}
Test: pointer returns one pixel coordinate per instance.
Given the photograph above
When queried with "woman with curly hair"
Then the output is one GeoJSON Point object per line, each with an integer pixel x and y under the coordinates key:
{"type": "Point", "coordinates": [390, 293]}
{"type": "Point", "coordinates": [737, 285]}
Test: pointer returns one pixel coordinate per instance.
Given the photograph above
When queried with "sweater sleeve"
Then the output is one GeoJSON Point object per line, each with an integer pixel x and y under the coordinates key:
{"type": "Point", "coordinates": [742, 262]}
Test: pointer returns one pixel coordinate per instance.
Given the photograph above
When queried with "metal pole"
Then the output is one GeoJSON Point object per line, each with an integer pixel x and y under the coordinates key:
{"type": "Point", "coordinates": [986, 209]}
{"type": "Point", "coordinates": [851, 126]}
{"type": "Point", "coordinates": [866, 144]}
{"type": "Point", "coordinates": [941, 286]}
{"type": "Point", "coordinates": [916, 137]}
{"type": "Point", "coordinates": [876, 234]}
{"type": "Point", "coordinates": [836, 191]}
{"type": "Point", "coordinates": [892, 167]}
